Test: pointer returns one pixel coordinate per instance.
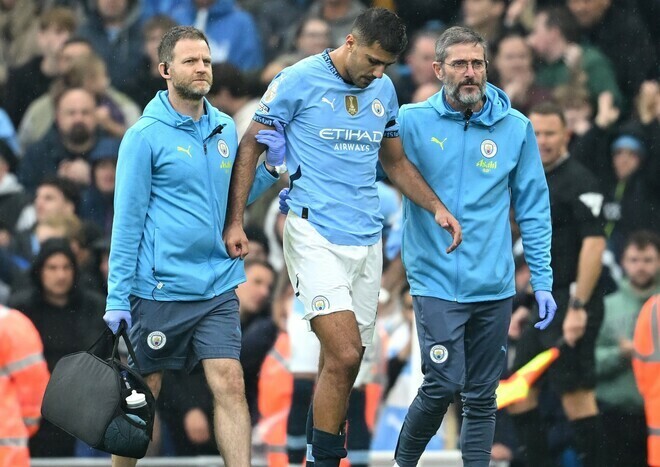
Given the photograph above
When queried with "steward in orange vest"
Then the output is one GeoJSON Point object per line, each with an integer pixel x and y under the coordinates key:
{"type": "Point", "coordinates": [23, 379]}
{"type": "Point", "coordinates": [646, 366]}
{"type": "Point", "coordinates": [275, 390]}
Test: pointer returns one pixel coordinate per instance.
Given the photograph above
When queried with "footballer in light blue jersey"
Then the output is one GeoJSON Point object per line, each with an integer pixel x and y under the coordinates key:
{"type": "Point", "coordinates": [334, 130]}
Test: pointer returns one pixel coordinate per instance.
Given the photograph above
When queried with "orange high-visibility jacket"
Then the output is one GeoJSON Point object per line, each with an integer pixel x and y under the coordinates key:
{"type": "Point", "coordinates": [275, 391]}
{"type": "Point", "coordinates": [646, 366]}
{"type": "Point", "coordinates": [23, 379]}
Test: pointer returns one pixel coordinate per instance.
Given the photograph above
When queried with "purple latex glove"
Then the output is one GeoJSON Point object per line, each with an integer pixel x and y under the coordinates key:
{"type": "Point", "coordinates": [284, 197]}
{"type": "Point", "coordinates": [114, 317]}
{"type": "Point", "coordinates": [276, 143]}
{"type": "Point", "coordinates": [547, 308]}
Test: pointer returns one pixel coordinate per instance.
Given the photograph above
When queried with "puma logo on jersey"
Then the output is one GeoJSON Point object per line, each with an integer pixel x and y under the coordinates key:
{"type": "Point", "coordinates": [438, 142]}
{"type": "Point", "coordinates": [327, 101]}
{"type": "Point", "coordinates": [187, 151]}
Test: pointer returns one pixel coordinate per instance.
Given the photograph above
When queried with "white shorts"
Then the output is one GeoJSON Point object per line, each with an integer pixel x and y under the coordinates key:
{"type": "Point", "coordinates": [328, 278]}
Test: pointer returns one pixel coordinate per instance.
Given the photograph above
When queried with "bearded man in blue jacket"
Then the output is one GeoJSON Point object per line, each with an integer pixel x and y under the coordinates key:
{"type": "Point", "coordinates": [481, 157]}
{"type": "Point", "coordinates": [170, 276]}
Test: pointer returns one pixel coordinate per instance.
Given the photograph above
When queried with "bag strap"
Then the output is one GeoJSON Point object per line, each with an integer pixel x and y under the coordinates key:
{"type": "Point", "coordinates": [121, 332]}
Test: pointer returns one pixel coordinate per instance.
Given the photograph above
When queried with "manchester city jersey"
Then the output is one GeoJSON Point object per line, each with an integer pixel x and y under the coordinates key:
{"type": "Point", "coordinates": [333, 131]}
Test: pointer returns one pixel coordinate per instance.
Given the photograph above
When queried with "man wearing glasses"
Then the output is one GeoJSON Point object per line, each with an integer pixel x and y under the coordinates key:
{"type": "Point", "coordinates": [480, 156]}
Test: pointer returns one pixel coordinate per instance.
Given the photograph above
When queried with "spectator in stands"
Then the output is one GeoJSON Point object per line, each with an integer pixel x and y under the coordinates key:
{"type": "Point", "coordinates": [232, 33]}
{"type": "Point", "coordinates": [54, 197]}
{"type": "Point", "coordinates": [259, 329]}
{"type": "Point", "coordinates": [514, 72]}
{"type": "Point", "coordinates": [67, 318]}
{"type": "Point", "coordinates": [67, 146]}
{"type": "Point", "coordinates": [621, 35]}
{"type": "Point", "coordinates": [231, 93]}
{"type": "Point", "coordinates": [39, 115]}
{"type": "Point", "coordinates": [485, 17]}
{"type": "Point", "coordinates": [630, 202]}
{"type": "Point", "coordinates": [115, 111]}
{"type": "Point", "coordinates": [19, 26]}
{"type": "Point", "coordinates": [113, 29]}
{"type": "Point", "coordinates": [621, 404]}
{"type": "Point", "coordinates": [96, 200]}
{"type": "Point", "coordinates": [554, 39]}
{"type": "Point", "coordinates": [274, 18]}
{"type": "Point", "coordinates": [339, 14]}
{"type": "Point", "coordinates": [32, 79]}
{"type": "Point", "coordinates": [7, 132]}
{"type": "Point", "coordinates": [312, 36]}
{"type": "Point", "coordinates": [12, 196]}
{"type": "Point", "coordinates": [418, 69]}
{"type": "Point", "coordinates": [147, 81]}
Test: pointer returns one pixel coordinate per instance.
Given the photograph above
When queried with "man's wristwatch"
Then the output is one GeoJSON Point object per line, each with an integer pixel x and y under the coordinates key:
{"type": "Point", "coordinates": [273, 172]}
{"type": "Point", "coordinates": [575, 303]}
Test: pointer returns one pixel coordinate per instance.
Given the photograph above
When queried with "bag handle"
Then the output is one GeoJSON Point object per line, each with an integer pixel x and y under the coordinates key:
{"type": "Point", "coordinates": [121, 332]}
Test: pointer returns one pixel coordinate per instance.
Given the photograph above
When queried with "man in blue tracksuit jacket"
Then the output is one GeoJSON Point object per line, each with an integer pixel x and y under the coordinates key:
{"type": "Point", "coordinates": [481, 157]}
{"type": "Point", "coordinates": [170, 276]}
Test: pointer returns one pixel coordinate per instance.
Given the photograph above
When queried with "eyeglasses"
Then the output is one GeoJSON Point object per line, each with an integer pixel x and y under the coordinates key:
{"type": "Point", "coordinates": [462, 65]}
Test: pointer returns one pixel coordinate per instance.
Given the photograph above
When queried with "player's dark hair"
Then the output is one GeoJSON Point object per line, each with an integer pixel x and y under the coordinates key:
{"type": "Point", "coordinates": [382, 26]}
{"type": "Point", "coordinates": [174, 35]}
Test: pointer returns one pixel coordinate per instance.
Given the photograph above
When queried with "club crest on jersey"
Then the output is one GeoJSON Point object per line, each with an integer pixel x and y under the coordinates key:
{"type": "Point", "coordinates": [223, 149]}
{"type": "Point", "coordinates": [156, 340]}
{"type": "Point", "coordinates": [351, 104]}
{"type": "Point", "coordinates": [320, 303]}
{"type": "Point", "coordinates": [377, 108]}
{"type": "Point", "coordinates": [488, 148]}
{"type": "Point", "coordinates": [439, 353]}
{"type": "Point", "coordinates": [271, 92]}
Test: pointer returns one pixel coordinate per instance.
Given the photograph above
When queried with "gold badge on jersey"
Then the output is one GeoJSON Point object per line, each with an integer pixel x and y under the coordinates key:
{"type": "Point", "coordinates": [351, 103]}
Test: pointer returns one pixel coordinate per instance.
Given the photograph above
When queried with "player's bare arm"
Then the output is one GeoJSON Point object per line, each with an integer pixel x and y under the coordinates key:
{"type": "Point", "coordinates": [410, 182]}
{"type": "Point", "coordinates": [242, 177]}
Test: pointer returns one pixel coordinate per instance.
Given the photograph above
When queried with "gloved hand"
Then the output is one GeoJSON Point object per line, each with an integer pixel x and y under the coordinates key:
{"type": "Point", "coordinates": [284, 197]}
{"type": "Point", "coordinates": [276, 143]}
{"type": "Point", "coordinates": [114, 317]}
{"type": "Point", "coordinates": [547, 308]}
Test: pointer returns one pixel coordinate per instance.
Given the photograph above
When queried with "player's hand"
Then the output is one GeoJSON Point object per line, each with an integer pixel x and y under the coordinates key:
{"type": "Point", "coordinates": [448, 222]}
{"type": "Point", "coordinates": [547, 308]}
{"type": "Point", "coordinates": [276, 143]}
{"type": "Point", "coordinates": [113, 319]}
{"type": "Point", "coordinates": [574, 325]}
{"type": "Point", "coordinates": [236, 242]}
{"type": "Point", "coordinates": [284, 197]}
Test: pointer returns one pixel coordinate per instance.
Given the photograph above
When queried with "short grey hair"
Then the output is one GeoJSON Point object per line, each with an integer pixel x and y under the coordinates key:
{"type": "Point", "coordinates": [458, 35]}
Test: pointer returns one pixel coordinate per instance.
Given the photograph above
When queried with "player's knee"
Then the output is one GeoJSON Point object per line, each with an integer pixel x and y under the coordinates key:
{"type": "Point", "coordinates": [346, 360]}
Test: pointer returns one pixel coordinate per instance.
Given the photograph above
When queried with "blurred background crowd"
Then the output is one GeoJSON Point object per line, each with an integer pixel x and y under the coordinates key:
{"type": "Point", "coordinates": [75, 74]}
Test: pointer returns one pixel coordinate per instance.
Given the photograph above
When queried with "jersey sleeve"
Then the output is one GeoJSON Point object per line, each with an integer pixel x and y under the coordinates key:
{"type": "Point", "coordinates": [392, 105]}
{"type": "Point", "coordinates": [282, 100]}
{"type": "Point", "coordinates": [587, 208]}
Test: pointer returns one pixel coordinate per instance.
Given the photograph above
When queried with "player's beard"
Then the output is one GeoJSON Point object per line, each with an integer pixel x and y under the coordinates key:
{"type": "Point", "coordinates": [453, 90]}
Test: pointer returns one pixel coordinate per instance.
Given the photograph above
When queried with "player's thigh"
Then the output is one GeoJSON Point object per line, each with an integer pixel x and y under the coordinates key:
{"type": "Point", "coordinates": [339, 336]}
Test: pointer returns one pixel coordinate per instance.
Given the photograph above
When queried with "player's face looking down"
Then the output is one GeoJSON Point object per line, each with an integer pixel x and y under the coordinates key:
{"type": "Point", "coordinates": [366, 63]}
